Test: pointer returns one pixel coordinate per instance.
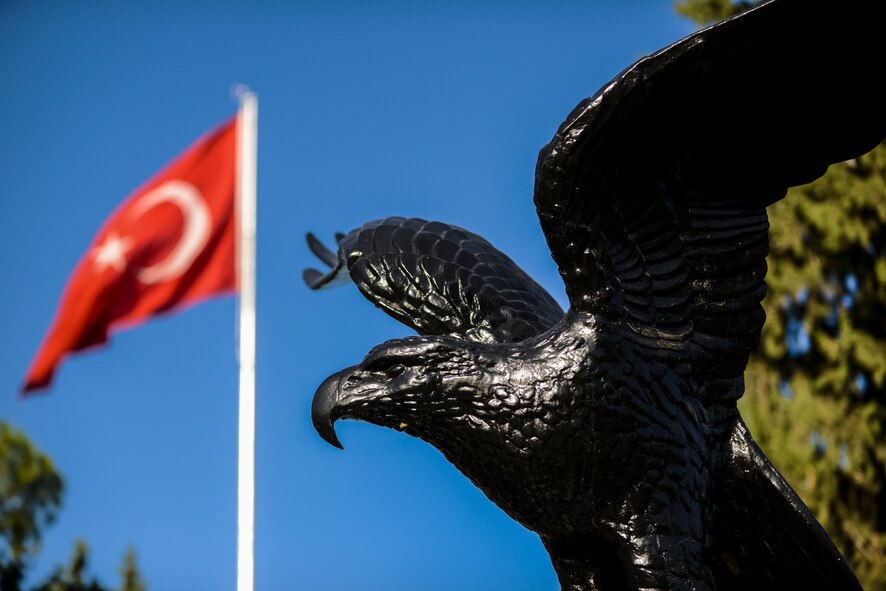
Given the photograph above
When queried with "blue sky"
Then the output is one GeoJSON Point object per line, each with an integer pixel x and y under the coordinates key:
{"type": "Point", "coordinates": [366, 110]}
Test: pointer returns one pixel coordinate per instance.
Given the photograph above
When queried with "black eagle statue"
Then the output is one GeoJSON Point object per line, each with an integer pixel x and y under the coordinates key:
{"type": "Point", "coordinates": [611, 430]}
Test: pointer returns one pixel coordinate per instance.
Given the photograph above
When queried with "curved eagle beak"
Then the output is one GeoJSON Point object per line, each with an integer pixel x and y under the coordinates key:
{"type": "Point", "coordinates": [384, 389]}
{"type": "Point", "coordinates": [326, 401]}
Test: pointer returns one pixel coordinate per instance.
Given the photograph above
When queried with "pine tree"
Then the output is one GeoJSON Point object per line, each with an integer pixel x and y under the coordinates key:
{"type": "Point", "coordinates": [73, 576]}
{"type": "Point", "coordinates": [816, 390]}
{"type": "Point", "coordinates": [129, 574]}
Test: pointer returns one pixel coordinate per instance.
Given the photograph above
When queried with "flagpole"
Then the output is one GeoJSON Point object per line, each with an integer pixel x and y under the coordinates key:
{"type": "Point", "coordinates": [247, 151]}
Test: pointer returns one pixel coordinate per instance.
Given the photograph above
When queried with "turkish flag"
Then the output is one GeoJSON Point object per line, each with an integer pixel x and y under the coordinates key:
{"type": "Point", "coordinates": [170, 244]}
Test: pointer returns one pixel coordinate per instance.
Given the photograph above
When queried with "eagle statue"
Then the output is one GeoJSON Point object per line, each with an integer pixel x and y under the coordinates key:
{"type": "Point", "coordinates": [611, 430]}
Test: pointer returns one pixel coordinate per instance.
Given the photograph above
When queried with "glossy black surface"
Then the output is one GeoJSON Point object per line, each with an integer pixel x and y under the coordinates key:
{"type": "Point", "coordinates": [612, 430]}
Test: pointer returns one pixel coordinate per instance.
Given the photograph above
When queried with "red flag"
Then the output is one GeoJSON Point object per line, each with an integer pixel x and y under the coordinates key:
{"type": "Point", "coordinates": [170, 244]}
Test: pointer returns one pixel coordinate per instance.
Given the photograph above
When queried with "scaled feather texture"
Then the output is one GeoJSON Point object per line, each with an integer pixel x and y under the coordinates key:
{"type": "Point", "coordinates": [612, 430]}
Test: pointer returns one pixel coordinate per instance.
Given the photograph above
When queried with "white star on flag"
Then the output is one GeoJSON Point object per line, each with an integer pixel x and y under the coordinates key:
{"type": "Point", "coordinates": [111, 253]}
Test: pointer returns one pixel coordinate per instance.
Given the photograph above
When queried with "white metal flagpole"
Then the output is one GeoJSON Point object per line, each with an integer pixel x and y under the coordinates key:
{"type": "Point", "coordinates": [247, 152]}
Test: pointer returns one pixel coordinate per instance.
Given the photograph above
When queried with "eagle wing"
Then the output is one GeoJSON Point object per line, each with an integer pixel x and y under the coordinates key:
{"type": "Point", "coordinates": [768, 536]}
{"type": "Point", "coordinates": [439, 280]}
{"type": "Point", "coordinates": [652, 194]}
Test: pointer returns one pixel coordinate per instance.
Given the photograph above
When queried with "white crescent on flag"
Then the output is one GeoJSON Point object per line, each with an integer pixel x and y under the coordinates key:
{"type": "Point", "coordinates": [197, 223]}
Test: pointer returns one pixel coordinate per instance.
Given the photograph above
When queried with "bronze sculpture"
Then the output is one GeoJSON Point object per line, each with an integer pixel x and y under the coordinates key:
{"type": "Point", "coordinates": [612, 430]}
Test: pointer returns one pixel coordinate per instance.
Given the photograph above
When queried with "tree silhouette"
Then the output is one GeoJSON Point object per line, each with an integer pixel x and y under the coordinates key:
{"type": "Point", "coordinates": [30, 497]}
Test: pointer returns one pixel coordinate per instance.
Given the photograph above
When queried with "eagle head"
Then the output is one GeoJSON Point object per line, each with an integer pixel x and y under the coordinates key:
{"type": "Point", "coordinates": [416, 385]}
{"type": "Point", "coordinates": [504, 413]}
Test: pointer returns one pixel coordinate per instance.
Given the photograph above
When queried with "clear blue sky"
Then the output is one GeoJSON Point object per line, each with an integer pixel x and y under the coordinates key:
{"type": "Point", "coordinates": [367, 109]}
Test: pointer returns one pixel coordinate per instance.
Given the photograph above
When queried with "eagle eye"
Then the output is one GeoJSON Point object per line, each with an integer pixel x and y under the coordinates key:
{"type": "Point", "coordinates": [391, 366]}
{"type": "Point", "coordinates": [395, 370]}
